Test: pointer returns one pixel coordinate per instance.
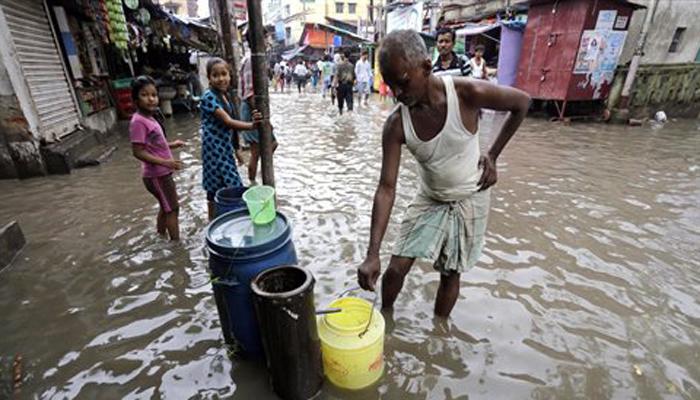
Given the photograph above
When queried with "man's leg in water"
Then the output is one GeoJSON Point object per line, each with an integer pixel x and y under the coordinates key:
{"type": "Point", "coordinates": [393, 278]}
{"type": "Point", "coordinates": [447, 294]}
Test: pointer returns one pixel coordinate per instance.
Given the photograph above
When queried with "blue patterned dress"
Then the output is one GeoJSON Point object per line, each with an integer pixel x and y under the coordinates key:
{"type": "Point", "coordinates": [218, 162]}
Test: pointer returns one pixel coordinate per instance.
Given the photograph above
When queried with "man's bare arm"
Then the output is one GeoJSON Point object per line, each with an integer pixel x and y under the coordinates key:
{"type": "Point", "coordinates": [481, 94]}
{"type": "Point", "coordinates": [501, 98]}
{"type": "Point", "coordinates": [392, 138]}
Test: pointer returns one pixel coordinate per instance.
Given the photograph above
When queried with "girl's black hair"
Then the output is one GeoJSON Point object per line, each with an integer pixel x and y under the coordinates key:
{"type": "Point", "coordinates": [138, 84]}
{"type": "Point", "coordinates": [212, 62]}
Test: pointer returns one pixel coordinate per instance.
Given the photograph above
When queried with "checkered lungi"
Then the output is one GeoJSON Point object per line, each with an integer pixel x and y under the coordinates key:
{"type": "Point", "coordinates": [451, 235]}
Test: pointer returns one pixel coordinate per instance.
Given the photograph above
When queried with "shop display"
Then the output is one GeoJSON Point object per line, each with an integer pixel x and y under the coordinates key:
{"type": "Point", "coordinates": [119, 35]}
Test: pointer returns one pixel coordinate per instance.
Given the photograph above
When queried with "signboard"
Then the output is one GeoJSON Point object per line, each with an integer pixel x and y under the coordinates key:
{"type": "Point", "coordinates": [621, 22]}
{"type": "Point", "coordinates": [606, 19]}
{"type": "Point", "coordinates": [408, 17]}
{"type": "Point", "coordinates": [240, 10]}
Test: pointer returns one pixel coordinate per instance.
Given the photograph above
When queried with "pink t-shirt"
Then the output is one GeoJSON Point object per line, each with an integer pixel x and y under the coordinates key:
{"type": "Point", "coordinates": [147, 131]}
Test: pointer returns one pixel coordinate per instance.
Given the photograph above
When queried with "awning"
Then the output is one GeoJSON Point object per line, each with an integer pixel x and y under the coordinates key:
{"type": "Point", "coordinates": [475, 29]}
{"type": "Point", "coordinates": [334, 30]}
{"type": "Point", "coordinates": [290, 54]}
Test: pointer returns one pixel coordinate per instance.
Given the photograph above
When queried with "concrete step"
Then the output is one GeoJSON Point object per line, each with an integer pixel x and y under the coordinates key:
{"type": "Point", "coordinates": [11, 242]}
{"type": "Point", "coordinates": [81, 148]}
{"type": "Point", "coordinates": [96, 156]}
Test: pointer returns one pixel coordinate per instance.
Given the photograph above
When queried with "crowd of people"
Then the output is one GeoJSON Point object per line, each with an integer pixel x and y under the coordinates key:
{"type": "Point", "coordinates": [333, 75]}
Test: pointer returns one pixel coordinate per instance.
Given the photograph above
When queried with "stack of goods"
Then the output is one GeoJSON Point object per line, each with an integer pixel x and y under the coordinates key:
{"type": "Point", "coordinates": [118, 35]}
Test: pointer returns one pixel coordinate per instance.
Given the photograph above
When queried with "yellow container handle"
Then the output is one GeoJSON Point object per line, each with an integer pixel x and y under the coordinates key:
{"type": "Point", "coordinates": [371, 311]}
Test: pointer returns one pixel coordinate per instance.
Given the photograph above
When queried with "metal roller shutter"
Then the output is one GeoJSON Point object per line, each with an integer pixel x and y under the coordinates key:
{"type": "Point", "coordinates": [42, 66]}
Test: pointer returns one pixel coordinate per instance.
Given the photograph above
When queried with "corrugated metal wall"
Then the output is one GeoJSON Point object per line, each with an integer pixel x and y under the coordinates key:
{"type": "Point", "coordinates": [42, 67]}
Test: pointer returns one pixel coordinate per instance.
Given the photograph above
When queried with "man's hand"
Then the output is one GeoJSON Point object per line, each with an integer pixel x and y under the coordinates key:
{"type": "Point", "coordinates": [173, 164]}
{"type": "Point", "coordinates": [368, 272]}
{"type": "Point", "coordinates": [489, 176]}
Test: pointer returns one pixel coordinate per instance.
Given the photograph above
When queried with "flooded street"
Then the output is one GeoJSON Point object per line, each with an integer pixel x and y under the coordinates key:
{"type": "Point", "coordinates": [588, 288]}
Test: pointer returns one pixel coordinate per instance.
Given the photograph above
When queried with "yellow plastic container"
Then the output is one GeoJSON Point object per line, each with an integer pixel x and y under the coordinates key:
{"type": "Point", "coordinates": [351, 361]}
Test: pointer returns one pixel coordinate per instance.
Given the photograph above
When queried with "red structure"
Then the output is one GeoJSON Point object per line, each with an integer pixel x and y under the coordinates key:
{"type": "Point", "coordinates": [571, 48]}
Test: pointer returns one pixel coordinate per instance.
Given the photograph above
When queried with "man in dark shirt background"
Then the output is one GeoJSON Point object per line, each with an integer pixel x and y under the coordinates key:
{"type": "Point", "coordinates": [345, 80]}
{"type": "Point", "coordinates": [449, 62]}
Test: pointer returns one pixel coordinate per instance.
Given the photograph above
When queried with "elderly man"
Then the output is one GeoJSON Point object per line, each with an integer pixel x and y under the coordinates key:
{"type": "Point", "coordinates": [438, 121]}
{"type": "Point", "coordinates": [449, 62]}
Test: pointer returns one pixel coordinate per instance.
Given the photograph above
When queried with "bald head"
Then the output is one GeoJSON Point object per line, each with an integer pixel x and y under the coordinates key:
{"type": "Point", "coordinates": [405, 45]}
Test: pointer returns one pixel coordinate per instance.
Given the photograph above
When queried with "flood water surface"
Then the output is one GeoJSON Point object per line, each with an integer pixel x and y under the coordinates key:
{"type": "Point", "coordinates": [588, 287]}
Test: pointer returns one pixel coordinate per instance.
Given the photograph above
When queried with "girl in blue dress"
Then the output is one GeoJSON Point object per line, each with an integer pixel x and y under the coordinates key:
{"type": "Point", "coordinates": [218, 163]}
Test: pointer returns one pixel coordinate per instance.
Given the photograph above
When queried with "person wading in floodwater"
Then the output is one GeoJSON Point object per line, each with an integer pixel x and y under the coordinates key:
{"type": "Point", "coordinates": [438, 121]}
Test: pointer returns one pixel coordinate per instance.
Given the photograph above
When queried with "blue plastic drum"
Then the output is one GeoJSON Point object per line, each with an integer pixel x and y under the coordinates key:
{"type": "Point", "coordinates": [229, 199]}
{"type": "Point", "coordinates": [238, 252]}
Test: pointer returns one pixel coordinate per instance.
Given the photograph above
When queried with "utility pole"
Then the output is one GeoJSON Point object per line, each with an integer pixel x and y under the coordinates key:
{"type": "Point", "coordinates": [226, 34]}
{"type": "Point", "coordinates": [258, 58]}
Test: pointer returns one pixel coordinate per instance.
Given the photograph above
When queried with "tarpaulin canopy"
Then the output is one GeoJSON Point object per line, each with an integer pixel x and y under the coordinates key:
{"type": "Point", "coordinates": [475, 29]}
{"type": "Point", "coordinates": [290, 54]}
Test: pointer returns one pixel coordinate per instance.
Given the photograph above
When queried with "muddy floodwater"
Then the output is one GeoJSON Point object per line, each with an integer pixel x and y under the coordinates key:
{"type": "Point", "coordinates": [588, 288]}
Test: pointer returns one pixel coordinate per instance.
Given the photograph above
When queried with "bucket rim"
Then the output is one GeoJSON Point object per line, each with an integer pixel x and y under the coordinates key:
{"type": "Point", "coordinates": [222, 194]}
{"type": "Point", "coordinates": [254, 189]}
{"type": "Point", "coordinates": [356, 302]}
{"type": "Point", "coordinates": [308, 280]}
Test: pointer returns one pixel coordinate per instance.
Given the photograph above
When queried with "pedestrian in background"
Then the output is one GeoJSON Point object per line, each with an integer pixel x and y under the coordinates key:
{"type": "Point", "coordinates": [315, 71]}
{"type": "Point", "coordinates": [218, 165]}
{"type": "Point", "coordinates": [334, 71]}
{"type": "Point", "coordinates": [363, 74]}
{"type": "Point", "coordinates": [276, 72]}
{"type": "Point", "coordinates": [149, 144]}
{"type": "Point", "coordinates": [326, 75]}
{"type": "Point", "coordinates": [301, 75]}
{"type": "Point", "coordinates": [344, 82]}
{"type": "Point", "coordinates": [449, 62]}
{"type": "Point", "coordinates": [288, 73]}
{"type": "Point", "coordinates": [478, 64]}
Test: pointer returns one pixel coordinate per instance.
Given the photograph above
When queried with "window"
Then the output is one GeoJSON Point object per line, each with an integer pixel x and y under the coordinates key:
{"type": "Point", "coordinates": [677, 40]}
{"type": "Point", "coordinates": [352, 8]}
{"type": "Point", "coordinates": [287, 10]}
{"type": "Point", "coordinates": [339, 8]}
{"type": "Point", "coordinates": [288, 32]}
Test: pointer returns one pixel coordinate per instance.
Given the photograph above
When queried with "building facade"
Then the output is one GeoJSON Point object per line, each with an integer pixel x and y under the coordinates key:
{"type": "Point", "coordinates": [668, 78]}
{"type": "Point", "coordinates": [294, 14]}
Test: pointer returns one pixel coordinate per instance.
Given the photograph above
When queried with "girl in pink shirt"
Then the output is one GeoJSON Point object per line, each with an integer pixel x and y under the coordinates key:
{"type": "Point", "coordinates": [149, 145]}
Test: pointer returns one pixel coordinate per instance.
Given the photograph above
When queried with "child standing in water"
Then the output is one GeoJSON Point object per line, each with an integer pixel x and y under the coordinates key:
{"type": "Point", "coordinates": [218, 164]}
{"type": "Point", "coordinates": [150, 145]}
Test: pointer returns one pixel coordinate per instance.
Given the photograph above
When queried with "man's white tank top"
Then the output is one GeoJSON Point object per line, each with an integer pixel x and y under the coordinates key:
{"type": "Point", "coordinates": [449, 162]}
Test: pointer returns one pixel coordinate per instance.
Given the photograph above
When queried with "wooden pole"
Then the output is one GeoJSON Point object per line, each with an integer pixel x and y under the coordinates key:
{"type": "Point", "coordinates": [227, 38]}
{"type": "Point", "coordinates": [258, 58]}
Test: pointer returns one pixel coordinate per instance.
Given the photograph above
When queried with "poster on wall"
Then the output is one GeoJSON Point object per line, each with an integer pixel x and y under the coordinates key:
{"type": "Point", "coordinates": [598, 54]}
{"type": "Point", "coordinates": [599, 51]}
{"type": "Point", "coordinates": [408, 17]}
{"type": "Point", "coordinates": [606, 19]}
